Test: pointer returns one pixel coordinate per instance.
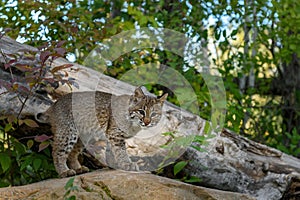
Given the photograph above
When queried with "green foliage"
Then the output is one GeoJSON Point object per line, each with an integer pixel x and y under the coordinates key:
{"type": "Point", "coordinates": [261, 47]}
{"type": "Point", "coordinates": [179, 166]}
{"type": "Point", "coordinates": [292, 148]}
{"type": "Point", "coordinates": [70, 187]}
{"type": "Point", "coordinates": [176, 146]}
{"type": "Point", "coordinates": [19, 163]}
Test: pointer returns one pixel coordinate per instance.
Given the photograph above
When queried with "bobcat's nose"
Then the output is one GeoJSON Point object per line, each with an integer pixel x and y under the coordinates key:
{"type": "Point", "coordinates": [147, 121]}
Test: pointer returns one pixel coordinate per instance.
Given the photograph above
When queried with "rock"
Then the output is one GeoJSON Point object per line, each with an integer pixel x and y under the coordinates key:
{"type": "Point", "coordinates": [114, 184]}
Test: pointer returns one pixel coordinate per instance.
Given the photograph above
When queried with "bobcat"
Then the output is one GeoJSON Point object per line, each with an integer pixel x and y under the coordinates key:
{"type": "Point", "coordinates": [77, 117]}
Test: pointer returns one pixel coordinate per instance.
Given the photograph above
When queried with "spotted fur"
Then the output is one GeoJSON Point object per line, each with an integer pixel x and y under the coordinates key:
{"type": "Point", "coordinates": [79, 117]}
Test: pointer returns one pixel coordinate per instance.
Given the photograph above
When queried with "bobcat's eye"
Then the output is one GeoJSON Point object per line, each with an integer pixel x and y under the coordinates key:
{"type": "Point", "coordinates": [142, 112]}
{"type": "Point", "coordinates": [131, 114]}
{"type": "Point", "coordinates": [153, 114]}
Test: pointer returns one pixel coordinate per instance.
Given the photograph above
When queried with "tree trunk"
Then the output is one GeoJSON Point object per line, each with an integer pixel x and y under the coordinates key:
{"type": "Point", "coordinates": [230, 162]}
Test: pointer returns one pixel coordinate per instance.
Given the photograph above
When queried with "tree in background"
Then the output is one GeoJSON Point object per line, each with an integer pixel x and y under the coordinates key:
{"type": "Point", "coordinates": [252, 43]}
{"type": "Point", "coordinates": [259, 61]}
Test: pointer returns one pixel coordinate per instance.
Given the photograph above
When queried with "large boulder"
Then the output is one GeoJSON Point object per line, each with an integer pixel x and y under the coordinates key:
{"type": "Point", "coordinates": [114, 184]}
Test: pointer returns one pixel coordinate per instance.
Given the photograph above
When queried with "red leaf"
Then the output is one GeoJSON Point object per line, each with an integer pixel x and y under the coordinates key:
{"type": "Point", "coordinates": [6, 65]}
{"type": "Point", "coordinates": [49, 80]}
{"type": "Point", "coordinates": [23, 68]}
{"type": "Point", "coordinates": [45, 45]}
{"type": "Point", "coordinates": [45, 55]}
{"type": "Point", "coordinates": [74, 29]}
{"type": "Point", "coordinates": [42, 138]}
{"type": "Point", "coordinates": [58, 68]}
{"type": "Point", "coordinates": [43, 145]}
{"type": "Point", "coordinates": [60, 43]}
{"type": "Point", "coordinates": [6, 30]}
{"type": "Point", "coordinates": [29, 57]}
{"type": "Point", "coordinates": [23, 89]}
{"type": "Point", "coordinates": [9, 64]}
{"type": "Point", "coordinates": [5, 84]}
{"type": "Point", "coordinates": [27, 50]}
{"type": "Point", "coordinates": [66, 74]}
{"type": "Point", "coordinates": [60, 51]}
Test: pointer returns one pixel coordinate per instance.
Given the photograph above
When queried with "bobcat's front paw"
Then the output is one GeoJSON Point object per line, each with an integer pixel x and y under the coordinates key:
{"type": "Point", "coordinates": [82, 169]}
{"type": "Point", "coordinates": [69, 172]}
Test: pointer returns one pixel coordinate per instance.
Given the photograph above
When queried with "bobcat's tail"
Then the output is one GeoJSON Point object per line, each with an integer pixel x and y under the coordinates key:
{"type": "Point", "coordinates": [42, 117]}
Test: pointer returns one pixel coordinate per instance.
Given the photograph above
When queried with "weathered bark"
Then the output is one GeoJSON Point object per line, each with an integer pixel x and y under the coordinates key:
{"type": "Point", "coordinates": [230, 162]}
{"type": "Point", "coordinates": [235, 163]}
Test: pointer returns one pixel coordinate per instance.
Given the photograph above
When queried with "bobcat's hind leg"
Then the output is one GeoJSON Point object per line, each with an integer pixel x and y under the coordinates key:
{"type": "Point", "coordinates": [72, 160]}
{"type": "Point", "coordinates": [60, 161]}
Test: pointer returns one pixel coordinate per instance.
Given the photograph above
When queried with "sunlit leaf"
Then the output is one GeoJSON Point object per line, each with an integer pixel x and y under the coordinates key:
{"type": "Point", "coordinates": [23, 67]}
{"type": "Point", "coordinates": [179, 166]}
{"type": "Point", "coordinates": [193, 179]}
{"type": "Point", "coordinates": [31, 123]}
{"type": "Point", "coordinates": [30, 143]}
{"type": "Point", "coordinates": [11, 118]}
{"type": "Point", "coordinates": [8, 127]}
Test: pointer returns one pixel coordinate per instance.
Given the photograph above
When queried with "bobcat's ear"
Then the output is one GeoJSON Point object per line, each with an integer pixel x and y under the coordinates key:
{"type": "Point", "coordinates": [139, 92]}
{"type": "Point", "coordinates": [163, 98]}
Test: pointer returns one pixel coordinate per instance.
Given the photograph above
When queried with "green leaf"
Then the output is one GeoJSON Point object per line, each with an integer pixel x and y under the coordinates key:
{"type": "Point", "coordinates": [199, 138]}
{"type": "Point", "coordinates": [69, 184]}
{"type": "Point", "coordinates": [217, 35]}
{"type": "Point", "coordinates": [234, 32]}
{"type": "Point", "coordinates": [293, 47]}
{"type": "Point", "coordinates": [198, 148]}
{"type": "Point", "coordinates": [5, 161]}
{"type": "Point", "coordinates": [25, 163]}
{"type": "Point", "coordinates": [207, 128]}
{"type": "Point", "coordinates": [11, 119]}
{"type": "Point", "coordinates": [71, 197]}
{"type": "Point", "coordinates": [30, 123]}
{"type": "Point", "coordinates": [172, 134]}
{"type": "Point", "coordinates": [179, 166]}
{"type": "Point", "coordinates": [8, 127]}
{"type": "Point", "coordinates": [193, 179]}
{"type": "Point", "coordinates": [19, 148]}
{"type": "Point", "coordinates": [30, 143]}
{"type": "Point", "coordinates": [37, 164]}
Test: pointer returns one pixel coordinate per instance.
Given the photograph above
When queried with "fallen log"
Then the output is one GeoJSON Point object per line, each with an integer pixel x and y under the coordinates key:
{"type": "Point", "coordinates": [230, 162]}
